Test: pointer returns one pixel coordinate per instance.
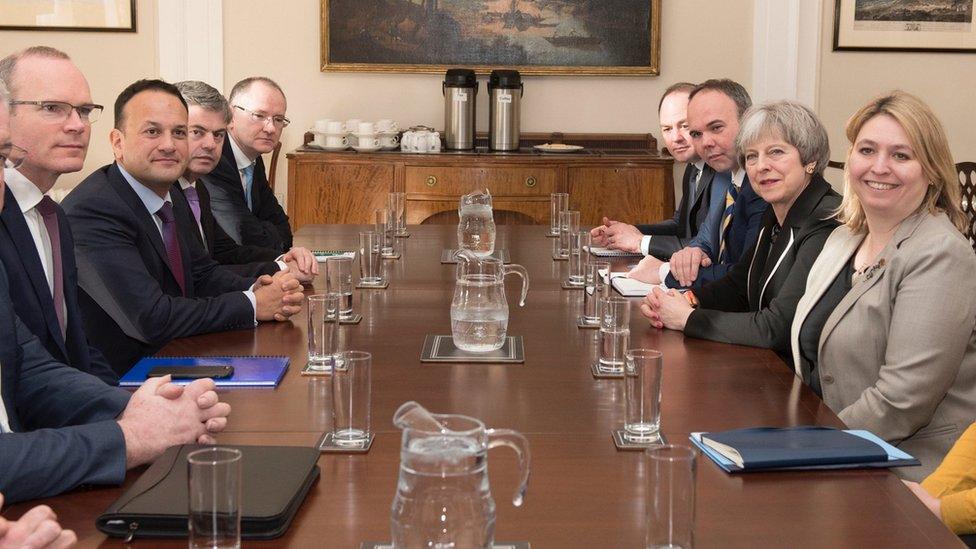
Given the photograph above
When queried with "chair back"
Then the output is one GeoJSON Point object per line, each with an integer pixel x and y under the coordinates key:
{"type": "Point", "coordinates": [967, 179]}
{"type": "Point", "coordinates": [273, 166]}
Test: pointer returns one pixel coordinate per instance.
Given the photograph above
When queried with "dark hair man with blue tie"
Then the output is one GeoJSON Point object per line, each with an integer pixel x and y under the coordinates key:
{"type": "Point", "coordinates": [51, 116]}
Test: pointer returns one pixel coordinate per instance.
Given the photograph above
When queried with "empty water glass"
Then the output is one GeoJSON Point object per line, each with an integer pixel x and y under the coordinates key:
{"type": "Point", "coordinates": [558, 202]}
{"type": "Point", "coordinates": [214, 497]}
{"type": "Point", "coordinates": [671, 497]}
{"type": "Point", "coordinates": [569, 222]}
{"type": "Point", "coordinates": [351, 398]}
{"type": "Point", "coordinates": [579, 245]}
{"type": "Point", "coordinates": [386, 227]}
{"type": "Point", "coordinates": [338, 278]}
{"type": "Point", "coordinates": [594, 290]}
{"type": "Point", "coordinates": [614, 334]}
{"type": "Point", "coordinates": [323, 331]}
{"type": "Point", "coordinates": [370, 271]}
{"type": "Point", "coordinates": [642, 395]}
{"type": "Point", "coordinates": [397, 207]}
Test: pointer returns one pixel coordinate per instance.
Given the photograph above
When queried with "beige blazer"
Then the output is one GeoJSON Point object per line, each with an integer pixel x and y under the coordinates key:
{"type": "Point", "coordinates": [898, 355]}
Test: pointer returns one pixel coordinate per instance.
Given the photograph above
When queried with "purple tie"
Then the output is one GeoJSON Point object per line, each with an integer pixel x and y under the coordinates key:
{"type": "Point", "coordinates": [172, 243]}
{"type": "Point", "coordinates": [49, 212]}
{"type": "Point", "coordinates": [194, 199]}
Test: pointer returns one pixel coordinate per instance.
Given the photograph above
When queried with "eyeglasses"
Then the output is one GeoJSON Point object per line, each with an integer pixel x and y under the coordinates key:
{"type": "Point", "coordinates": [279, 121]}
{"type": "Point", "coordinates": [59, 111]}
{"type": "Point", "coordinates": [12, 156]}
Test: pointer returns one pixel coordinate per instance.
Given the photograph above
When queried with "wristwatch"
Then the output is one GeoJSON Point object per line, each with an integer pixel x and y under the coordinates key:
{"type": "Point", "coordinates": [691, 298]}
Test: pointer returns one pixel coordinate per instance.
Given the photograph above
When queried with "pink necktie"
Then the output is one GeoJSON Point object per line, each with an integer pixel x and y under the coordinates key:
{"type": "Point", "coordinates": [172, 243]}
{"type": "Point", "coordinates": [48, 211]}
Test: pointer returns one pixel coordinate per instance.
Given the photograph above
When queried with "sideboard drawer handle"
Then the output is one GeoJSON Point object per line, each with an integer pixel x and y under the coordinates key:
{"type": "Point", "coordinates": [530, 181]}
{"type": "Point", "coordinates": [431, 180]}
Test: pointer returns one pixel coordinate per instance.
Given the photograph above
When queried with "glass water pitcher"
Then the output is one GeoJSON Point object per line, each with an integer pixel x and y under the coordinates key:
{"type": "Point", "coordinates": [476, 228]}
{"type": "Point", "coordinates": [479, 310]}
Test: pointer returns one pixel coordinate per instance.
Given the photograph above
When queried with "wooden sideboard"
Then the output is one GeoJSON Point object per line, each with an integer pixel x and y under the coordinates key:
{"type": "Point", "coordinates": [620, 176]}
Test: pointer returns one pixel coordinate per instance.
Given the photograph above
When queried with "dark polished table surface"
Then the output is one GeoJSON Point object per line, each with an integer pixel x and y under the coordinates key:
{"type": "Point", "coordinates": [583, 492]}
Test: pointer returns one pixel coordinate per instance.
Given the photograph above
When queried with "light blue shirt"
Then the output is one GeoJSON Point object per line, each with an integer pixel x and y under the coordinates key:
{"type": "Point", "coordinates": [153, 202]}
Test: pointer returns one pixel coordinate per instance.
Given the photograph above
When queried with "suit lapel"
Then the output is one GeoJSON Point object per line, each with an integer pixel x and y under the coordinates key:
{"type": "Point", "coordinates": [206, 216]}
{"type": "Point", "coordinates": [13, 220]}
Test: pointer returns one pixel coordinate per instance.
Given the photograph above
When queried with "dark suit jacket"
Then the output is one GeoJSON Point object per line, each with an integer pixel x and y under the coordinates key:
{"type": "Point", "coordinates": [265, 226]}
{"type": "Point", "coordinates": [131, 302]}
{"type": "Point", "coordinates": [64, 433]}
{"type": "Point", "coordinates": [31, 295]}
{"type": "Point", "coordinates": [250, 261]}
{"type": "Point", "coordinates": [755, 302]}
{"type": "Point", "coordinates": [674, 234]}
{"type": "Point", "coordinates": [747, 217]}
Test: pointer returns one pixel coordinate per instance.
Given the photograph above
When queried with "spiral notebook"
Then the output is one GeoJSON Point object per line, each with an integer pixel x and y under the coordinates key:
{"type": "Point", "coordinates": [249, 371]}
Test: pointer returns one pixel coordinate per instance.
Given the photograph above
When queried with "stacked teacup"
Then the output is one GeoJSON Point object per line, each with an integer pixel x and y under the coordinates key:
{"type": "Point", "coordinates": [367, 140]}
{"type": "Point", "coordinates": [388, 132]}
{"type": "Point", "coordinates": [330, 135]}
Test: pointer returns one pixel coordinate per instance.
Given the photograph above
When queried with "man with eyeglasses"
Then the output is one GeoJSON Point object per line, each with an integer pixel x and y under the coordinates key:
{"type": "Point", "coordinates": [242, 201]}
{"type": "Point", "coordinates": [50, 116]}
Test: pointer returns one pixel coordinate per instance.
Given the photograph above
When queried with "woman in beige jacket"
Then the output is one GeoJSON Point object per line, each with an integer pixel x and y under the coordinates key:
{"type": "Point", "coordinates": [885, 329]}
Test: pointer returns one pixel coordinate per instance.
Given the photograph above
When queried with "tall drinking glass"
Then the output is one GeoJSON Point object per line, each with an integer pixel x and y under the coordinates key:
{"type": "Point", "coordinates": [351, 398]}
{"type": "Point", "coordinates": [385, 227]}
{"type": "Point", "coordinates": [642, 394]}
{"type": "Point", "coordinates": [614, 334]}
{"type": "Point", "coordinates": [594, 290]}
{"type": "Point", "coordinates": [338, 276]}
{"type": "Point", "coordinates": [370, 264]}
{"type": "Point", "coordinates": [569, 222]}
{"type": "Point", "coordinates": [579, 243]}
{"type": "Point", "coordinates": [323, 331]}
{"type": "Point", "coordinates": [671, 497]}
{"type": "Point", "coordinates": [215, 498]}
{"type": "Point", "coordinates": [558, 202]}
{"type": "Point", "coordinates": [398, 210]}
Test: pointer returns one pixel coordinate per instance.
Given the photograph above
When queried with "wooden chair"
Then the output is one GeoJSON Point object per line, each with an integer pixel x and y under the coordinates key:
{"type": "Point", "coordinates": [273, 166]}
{"type": "Point", "coordinates": [967, 178]}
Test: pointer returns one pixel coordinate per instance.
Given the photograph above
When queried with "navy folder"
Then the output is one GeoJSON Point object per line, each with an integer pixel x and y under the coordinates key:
{"type": "Point", "coordinates": [249, 371]}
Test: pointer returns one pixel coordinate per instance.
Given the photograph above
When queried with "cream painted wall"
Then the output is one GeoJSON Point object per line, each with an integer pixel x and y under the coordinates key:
{"type": "Point", "coordinates": [850, 79]}
{"type": "Point", "coordinates": [110, 61]}
{"type": "Point", "coordinates": [281, 40]}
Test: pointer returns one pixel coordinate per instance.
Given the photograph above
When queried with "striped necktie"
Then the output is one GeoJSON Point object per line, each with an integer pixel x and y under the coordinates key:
{"type": "Point", "coordinates": [730, 197]}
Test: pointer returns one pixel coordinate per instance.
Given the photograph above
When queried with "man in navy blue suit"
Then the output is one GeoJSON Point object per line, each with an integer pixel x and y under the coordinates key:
{"type": "Point", "coordinates": [61, 427]}
{"type": "Point", "coordinates": [51, 118]}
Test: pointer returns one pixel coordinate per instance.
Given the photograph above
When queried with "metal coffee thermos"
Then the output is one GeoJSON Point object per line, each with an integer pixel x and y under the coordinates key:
{"type": "Point", "coordinates": [460, 89]}
{"type": "Point", "coordinates": [504, 96]}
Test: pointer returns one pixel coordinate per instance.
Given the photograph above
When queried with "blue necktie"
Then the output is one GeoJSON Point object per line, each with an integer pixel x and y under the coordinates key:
{"type": "Point", "coordinates": [248, 183]}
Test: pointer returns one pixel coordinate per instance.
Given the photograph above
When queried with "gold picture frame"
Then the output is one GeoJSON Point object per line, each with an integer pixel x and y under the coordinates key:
{"type": "Point", "coordinates": [68, 15]}
{"type": "Point", "coordinates": [386, 30]}
{"type": "Point", "coordinates": [943, 26]}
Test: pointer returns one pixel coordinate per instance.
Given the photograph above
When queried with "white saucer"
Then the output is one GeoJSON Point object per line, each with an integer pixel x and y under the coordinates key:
{"type": "Point", "coordinates": [340, 134]}
{"type": "Point", "coordinates": [366, 149]}
{"type": "Point", "coordinates": [336, 148]}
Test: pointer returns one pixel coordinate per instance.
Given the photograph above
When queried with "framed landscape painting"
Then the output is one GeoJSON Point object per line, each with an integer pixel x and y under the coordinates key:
{"type": "Point", "coordinates": [904, 25]}
{"type": "Point", "coordinates": [534, 36]}
{"type": "Point", "coordinates": [68, 15]}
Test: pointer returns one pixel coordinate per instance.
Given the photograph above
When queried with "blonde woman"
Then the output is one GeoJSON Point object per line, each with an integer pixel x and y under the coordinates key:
{"type": "Point", "coordinates": [884, 331]}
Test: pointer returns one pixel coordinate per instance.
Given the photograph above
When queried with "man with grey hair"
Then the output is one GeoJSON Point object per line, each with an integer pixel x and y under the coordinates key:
{"type": "Point", "coordinates": [209, 114]}
{"type": "Point", "coordinates": [242, 201]}
{"type": "Point", "coordinates": [51, 117]}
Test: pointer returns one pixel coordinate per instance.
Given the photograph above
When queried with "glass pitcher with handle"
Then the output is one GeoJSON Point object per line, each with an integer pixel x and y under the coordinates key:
{"type": "Point", "coordinates": [476, 228]}
{"type": "Point", "coordinates": [479, 310]}
{"type": "Point", "coordinates": [443, 499]}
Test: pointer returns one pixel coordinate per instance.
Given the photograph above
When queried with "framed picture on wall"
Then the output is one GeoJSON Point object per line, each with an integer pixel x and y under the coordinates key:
{"type": "Point", "coordinates": [904, 25]}
{"type": "Point", "coordinates": [605, 37]}
{"type": "Point", "coordinates": [68, 15]}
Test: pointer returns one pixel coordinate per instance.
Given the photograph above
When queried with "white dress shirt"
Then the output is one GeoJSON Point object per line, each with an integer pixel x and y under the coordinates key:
{"type": "Point", "coordinates": [28, 197]}
{"type": "Point", "coordinates": [242, 161]}
{"type": "Point", "coordinates": [4, 423]}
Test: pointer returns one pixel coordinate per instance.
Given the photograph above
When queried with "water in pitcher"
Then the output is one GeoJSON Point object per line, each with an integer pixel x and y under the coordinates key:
{"type": "Point", "coordinates": [479, 329]}
{"type": "Point", "coordinates": [476, 230]}
{"type": "Point", "coordinates": [443, 500]}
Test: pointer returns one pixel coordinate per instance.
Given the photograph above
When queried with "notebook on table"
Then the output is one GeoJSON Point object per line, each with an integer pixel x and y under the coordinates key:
{"type": "Point", "coordinates": [798, 448]}
{"type": "Point", "coordinates": [249, 371]}
{"type": "Point", "coordinates": [323, 255]}
{"type": "Point", "coordinates": [629, 287]}
{"type": "Point", "coordinates": [607, 252]}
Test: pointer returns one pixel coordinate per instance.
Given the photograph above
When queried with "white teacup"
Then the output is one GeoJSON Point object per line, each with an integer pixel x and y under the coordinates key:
{"type": "Point", "coordinates": [387, 125]}
{"type": "Point", "coordinates": [366, 128]}
{"type": "Point", "coordinates": [322, 126]}
{"type": "Point", "coordinates": [368, 142]}
{"type": "Point", "coordinates": [336, 127]}
{"type": "Point", "coordinates": [352, 124]}
{"type": "Point", "coordinates": [318, 139]}
{"type": "Point", "coordinates": [333, 141]}
{"type": "Point", "coordinates": [389, 141]}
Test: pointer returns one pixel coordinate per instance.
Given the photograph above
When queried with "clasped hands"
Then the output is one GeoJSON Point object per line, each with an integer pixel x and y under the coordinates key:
{"type": "Point", "coordinates": [301, 263]}
{"type": "Point", "coordinates": [666, 309]}
{"type": "Point", "coordinates": [277, 297]}
{"type": "Point", "coordinates": [617, 236]}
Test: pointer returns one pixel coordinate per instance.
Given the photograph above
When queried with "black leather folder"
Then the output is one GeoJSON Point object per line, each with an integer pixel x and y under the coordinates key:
{"type": "Point", "coordinates": [275, 481]}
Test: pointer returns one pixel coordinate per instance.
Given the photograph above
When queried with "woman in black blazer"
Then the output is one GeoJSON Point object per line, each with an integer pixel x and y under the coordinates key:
{"type": "Point", "coordinates": [784, 149]}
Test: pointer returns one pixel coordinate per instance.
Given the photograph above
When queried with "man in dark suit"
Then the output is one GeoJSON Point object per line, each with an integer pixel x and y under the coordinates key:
{"type": "Point", "coordinates": [209, 114]}
{"type": "Point", "coordinates": [241, 199]}
{"type": "Point", "coordinates": [36, 244]}
{"type": "Point", "coordinates": [144, 280]}
{"type": "Point", "coordinates": [665, 237]}
{"type": "Point", "coordinates": [60, 427]}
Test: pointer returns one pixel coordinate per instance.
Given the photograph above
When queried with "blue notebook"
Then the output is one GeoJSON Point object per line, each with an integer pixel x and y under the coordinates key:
{"type": "Point", "coordinates": [798, 448]}
{"type": "Point", "coordinates": [249, 371]}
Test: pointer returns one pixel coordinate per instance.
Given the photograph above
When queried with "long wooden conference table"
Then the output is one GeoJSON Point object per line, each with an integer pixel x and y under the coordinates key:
{"type": "Point", "coordinates": [583, 492]}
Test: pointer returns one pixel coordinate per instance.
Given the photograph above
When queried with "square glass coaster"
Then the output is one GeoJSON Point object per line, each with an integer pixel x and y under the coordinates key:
{"type": "Point", "coordinates": [582, 324]}
{"type": "Point", "coordinates": [551, 234]}
{"type": "Point", "coordinates": [404, 234]}
{"type": "Point", "coordinates": [557, 257]}
{"type": "Point", "coordinates": [623, 444]}
{"type": "Point", "coordinates": [327, 445]}
{"type": "Point", "coordinates": [381, 286]}
{"type": "Point", "coordinates": [351, 319]}
{"type": "Point", "coordinates": [440, 348]}
{"type": "Point", "coordinates": [595, 370]}
{"type": "Point", "coordinates": [496, 545]}
{"type": "Point", "coordinates": [390, 256]}
{"type": "Point", "coordinates": [567, 285]}
{"type": "Point", "coordinates": [447, 256]}
{"type": "Point", "coordinates": [308, 371]}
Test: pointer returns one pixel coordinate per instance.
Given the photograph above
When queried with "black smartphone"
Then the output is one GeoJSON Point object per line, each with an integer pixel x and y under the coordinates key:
{"type": "Point", "coordinates": [193, 372]}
